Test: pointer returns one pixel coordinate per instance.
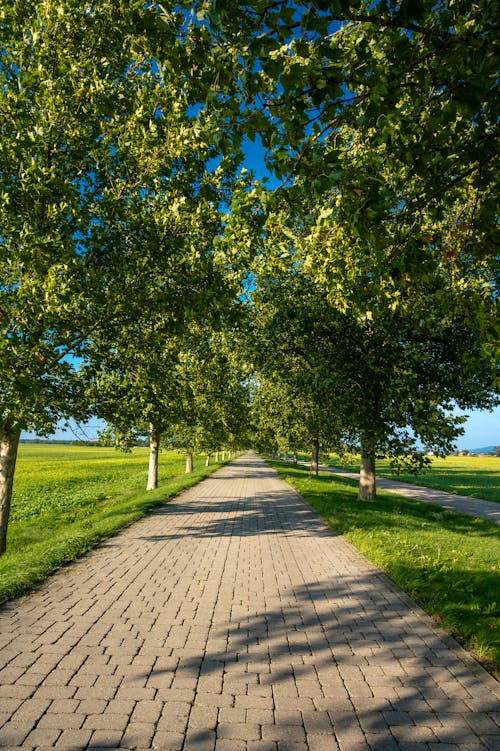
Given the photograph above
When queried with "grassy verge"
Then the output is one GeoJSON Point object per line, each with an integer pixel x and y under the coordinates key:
{"type": "Point", "coordinates": [476, 476]}
{"type": "Point", "coordinates": [58, 525]}
{"type": "Point", "coordinates": [447, 562]}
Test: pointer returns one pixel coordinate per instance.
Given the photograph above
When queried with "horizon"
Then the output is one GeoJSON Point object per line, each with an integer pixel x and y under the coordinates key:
{"type": "Point", "coordinates": [481, 430]}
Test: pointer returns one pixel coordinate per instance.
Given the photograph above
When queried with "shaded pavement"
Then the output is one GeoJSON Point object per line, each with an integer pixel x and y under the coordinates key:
{"type": "Point", "coordinates": [233, 619]}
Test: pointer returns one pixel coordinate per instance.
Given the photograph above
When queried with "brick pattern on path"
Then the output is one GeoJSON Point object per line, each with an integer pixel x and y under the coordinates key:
{"type": "Point", "coordinates": [232, 619]}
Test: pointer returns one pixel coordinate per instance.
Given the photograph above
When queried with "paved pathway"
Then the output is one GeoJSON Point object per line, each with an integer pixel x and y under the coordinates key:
{"type": "Point", "coordinates": [463, 504]}
{"type": "Point", "coordinates": [233, 619]}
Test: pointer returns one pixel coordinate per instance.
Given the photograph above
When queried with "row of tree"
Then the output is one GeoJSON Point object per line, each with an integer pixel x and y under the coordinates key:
{"type": "Point", "coordinates": [147, 279]}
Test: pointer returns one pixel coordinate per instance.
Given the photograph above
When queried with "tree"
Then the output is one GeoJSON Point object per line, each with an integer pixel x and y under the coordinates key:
{"type": "Point", "coordinates": [299, 398]}
{"type": "Point", "coordinates": [217, 411]}
{"type": "Point", "coordinates": [417, 83]}
{"type": "Point", "coordinates": [386, 114]}
{"type": "Point", "coordinates": [279, 417]}
{"type": "Point", "coordinates": [384, 357]}
{"type": "Point", "coordinates": [182, 295]}
{"type": "Point", "coordinates": [79, 90]}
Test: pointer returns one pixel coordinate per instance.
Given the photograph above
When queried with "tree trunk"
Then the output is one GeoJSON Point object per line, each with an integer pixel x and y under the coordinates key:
{"type": "Point", "coordinates": [154, 450]}
{"type": "Point", "coordinates": [189, 462]}
{"type": "Point", "coordinates": [295, 459]}
{"type": "Point", "coordinates": [223, 456]}
{"type": "Point", "coordinates": [367, 483]}
{"type": "Point", "coordinates": [9, 441]}
{"type": "Point", "coordinates": [207, 461]}
{"type": "Point", "coordinates": [315, 457]}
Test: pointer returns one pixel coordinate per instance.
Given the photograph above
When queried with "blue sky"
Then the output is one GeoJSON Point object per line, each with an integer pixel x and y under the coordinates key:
{"type": "Point", "coordinates": [481, 429]}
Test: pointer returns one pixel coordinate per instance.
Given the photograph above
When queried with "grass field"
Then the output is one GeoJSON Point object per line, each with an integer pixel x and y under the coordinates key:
{"type": "Point", "coordinates": [447, 562]}
{"type": "Point", "coordinates": [477, 476]}
{"type": "Point", "coordinates": [67, 498]}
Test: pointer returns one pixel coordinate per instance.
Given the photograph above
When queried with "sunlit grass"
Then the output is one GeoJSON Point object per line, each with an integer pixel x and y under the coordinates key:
{"type": "Point", "coordinates": [448, 562]}
{"type": "Point", "coordinates": [476, 476]}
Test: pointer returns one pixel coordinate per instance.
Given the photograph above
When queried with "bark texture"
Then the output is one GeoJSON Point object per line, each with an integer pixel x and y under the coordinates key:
{"type": "Point", "coordinates": [367, 483]}
{"type": "Point", "coordinates": [154, 450]}
{"type": "Point", "coordinates": [9, 442]}
{"type": "Point", "coordinates": [315, 457]}
{"type": "Point", "coordinates": [189, 462]}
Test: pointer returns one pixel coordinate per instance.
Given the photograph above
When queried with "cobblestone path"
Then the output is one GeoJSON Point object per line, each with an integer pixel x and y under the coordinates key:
{"type": "Point", "coordinates": [232, 619]}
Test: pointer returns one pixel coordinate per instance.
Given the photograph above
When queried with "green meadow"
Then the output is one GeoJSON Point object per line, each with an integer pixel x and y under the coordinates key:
{"type": "Point", "coordinates": [449, 563]}
{"type": "Point", "coordinates": [68, 498]}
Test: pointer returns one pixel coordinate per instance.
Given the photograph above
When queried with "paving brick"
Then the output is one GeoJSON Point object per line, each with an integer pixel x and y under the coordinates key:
{"type": "Point", "coordinates": [30, 711]}
{"type": "Point", "coordinates": [292, 746]}
{"type": "Point", "coordinates": [175, 709]}
{"type": "Point", "coordinates": [147, 711]}
{"type": "Point", "coordinates": [215, 700]}
{"type": "Point", "coordinates": [254, 702]}
{"type": "Point", "coordinates": [13, 735]}
{"type": "Point", "coordinates": [260, 716]}
{"type": "Point", "coordinates": [61, 721]}
{"type": "Point", "coordinates": [130, 692]}
{"type": "Point", "coordinates": [10, 706]}
{"type": "Point", "coordinates": [168, 740]}
{"type": "Point", "coordinates": [233, 715]}
{"type": "Point", "coordinates": [106, 721]}
{"type": "Point", "coordinates": [74, 740]}
{"type": "Point", "coordinates": [138, 734]}
{"type": "Point", "coordinates": [288, 733]}
{"type": "Point", "coordinates": [222, 744]}
{"type": "Point", "coordinates": [16, 691]}
{"type": "Point", "coordinates": [172, 724]}
{"type": "Point", "coordinates": [317, 722]}
{"type": "Point", "coordinates": [325, 743]}
{"type": "Point", "coordinates": [240, 731]}
{"type": "Point", "coordinates": [42, 737]}
{"type": "Point", "coordinates": [175, 695]}
{"type": "Point", "coordinates": [288, 717]}
{"type": "Point", "coordinates": [105, 739]}
{"type": "Point", "coordinates": [229, 613]}
{"type": "Point", "coordinates": [199, 740]}
{"type": "Point", "coordinates": [64, 706]}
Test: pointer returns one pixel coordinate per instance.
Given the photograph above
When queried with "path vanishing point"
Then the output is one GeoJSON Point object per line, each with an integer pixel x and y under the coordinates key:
{"type": "Point", "coordinates": [233, 619]}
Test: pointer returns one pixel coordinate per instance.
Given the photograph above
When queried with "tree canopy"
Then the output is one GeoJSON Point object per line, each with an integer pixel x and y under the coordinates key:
{"type": "Point", "coordinates": [130, 241]}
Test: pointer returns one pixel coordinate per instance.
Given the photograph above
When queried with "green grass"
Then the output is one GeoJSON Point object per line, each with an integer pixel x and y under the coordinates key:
{"type": "Point", "coordinates": [449, 563]}
{"type": "Point", "coordinates": [476, 476]}
{"type": "Point", "coordinates": [66, 499]}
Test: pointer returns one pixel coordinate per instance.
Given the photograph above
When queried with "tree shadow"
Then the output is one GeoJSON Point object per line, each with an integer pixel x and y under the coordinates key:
{"type": "Point", "coordinates": [347, 660]}
{"type": "Point", "coordinates": [266, 513]}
